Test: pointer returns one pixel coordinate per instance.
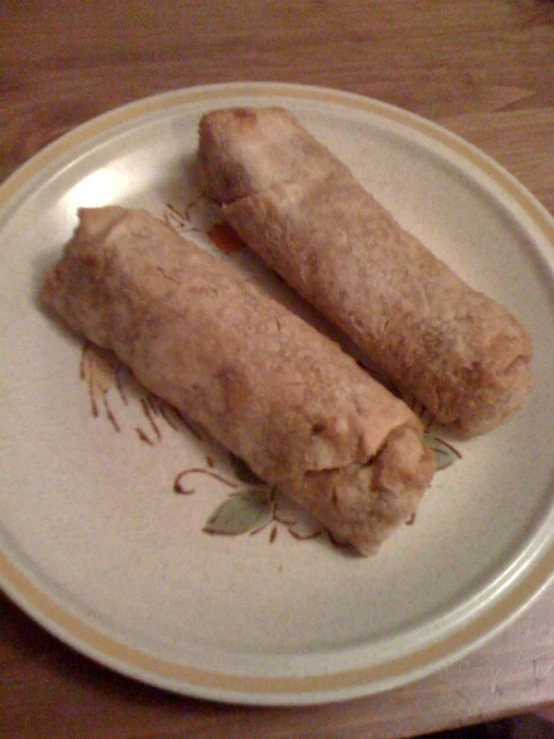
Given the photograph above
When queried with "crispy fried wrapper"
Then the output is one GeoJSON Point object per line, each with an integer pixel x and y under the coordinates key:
{"type": "Point", "coordinates": [458, 352]}
{"type": "Point", "coordinates": [266, 385]}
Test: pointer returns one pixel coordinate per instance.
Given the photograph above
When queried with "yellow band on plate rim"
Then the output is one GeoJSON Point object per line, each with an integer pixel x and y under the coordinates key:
{"type": "Point", "coordinates": [291, 689]}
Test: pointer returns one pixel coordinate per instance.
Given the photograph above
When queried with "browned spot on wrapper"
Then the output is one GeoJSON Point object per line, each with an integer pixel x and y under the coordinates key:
{"type": "Point", "coordinates": [245, 114]}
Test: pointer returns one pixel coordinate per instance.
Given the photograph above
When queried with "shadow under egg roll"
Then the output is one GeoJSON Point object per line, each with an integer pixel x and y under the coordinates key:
{"type": "Point", "coordinates": [458, 352]}
{"type": "Point", "coordinates": [266, 385]}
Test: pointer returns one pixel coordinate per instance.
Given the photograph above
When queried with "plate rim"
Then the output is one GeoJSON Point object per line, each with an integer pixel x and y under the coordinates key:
{"type": "Point", "coordinates": [292, 689]}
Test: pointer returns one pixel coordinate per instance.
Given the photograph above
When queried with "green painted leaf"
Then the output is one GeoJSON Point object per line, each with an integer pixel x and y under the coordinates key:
{"type": "Point", "coordinates": [444, 454]}
{"type": "Point", "coordinates": [245, 511]}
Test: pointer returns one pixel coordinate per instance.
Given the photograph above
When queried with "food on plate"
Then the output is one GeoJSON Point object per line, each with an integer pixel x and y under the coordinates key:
{"type": "Point", "coordinates": [287, 400]}
{"type": "Point", "coordinates": [458, 352]}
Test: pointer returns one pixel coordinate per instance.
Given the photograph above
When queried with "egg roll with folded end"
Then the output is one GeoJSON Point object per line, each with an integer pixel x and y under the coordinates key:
{"type": "Point", "coordinates": [458, 352]}
{"type": "Point", "coordinates": [266, 385]}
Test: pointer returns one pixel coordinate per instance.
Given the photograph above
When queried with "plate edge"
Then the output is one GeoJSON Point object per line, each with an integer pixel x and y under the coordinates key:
{"type": "Point", "coordinates": [102, 648]}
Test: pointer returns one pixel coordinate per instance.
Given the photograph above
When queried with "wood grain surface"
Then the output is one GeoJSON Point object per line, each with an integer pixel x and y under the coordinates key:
{"type": "Point", "coordinates": [484, 69]}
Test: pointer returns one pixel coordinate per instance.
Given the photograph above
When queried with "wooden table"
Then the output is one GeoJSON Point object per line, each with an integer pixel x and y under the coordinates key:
{"type": "Point", "coordinates": [483, 68]}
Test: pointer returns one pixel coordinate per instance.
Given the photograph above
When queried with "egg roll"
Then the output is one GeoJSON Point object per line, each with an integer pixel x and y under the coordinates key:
{"type": "Point", "coordinates": [265, 384]}
{"type": "Point", "coordinates": [458, 352]}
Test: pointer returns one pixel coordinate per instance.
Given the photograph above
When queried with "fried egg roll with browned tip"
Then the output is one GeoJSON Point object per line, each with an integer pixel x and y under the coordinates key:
{"type": "Point", "coordinates": [458, 352]}
{"type": "Point", "coordinates": [266, 385]}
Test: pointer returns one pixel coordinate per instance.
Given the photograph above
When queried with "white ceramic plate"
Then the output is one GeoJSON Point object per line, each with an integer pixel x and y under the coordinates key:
{"type": "Point", "coordinates": [96, 546]}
